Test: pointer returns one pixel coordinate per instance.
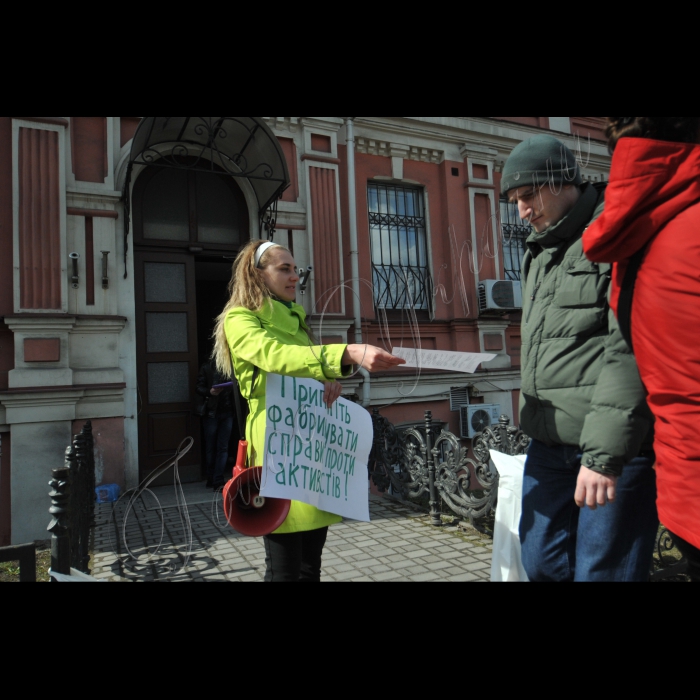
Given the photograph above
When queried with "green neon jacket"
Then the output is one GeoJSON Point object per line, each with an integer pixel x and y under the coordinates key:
{"type": "Point", "coordinates": [275, 340]}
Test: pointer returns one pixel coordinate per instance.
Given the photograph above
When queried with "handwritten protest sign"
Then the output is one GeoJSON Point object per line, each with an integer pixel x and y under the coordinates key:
{"type": "Point", "coordinates": [316, 455]}
{"type": "Point", "coordinates": [467, 362]}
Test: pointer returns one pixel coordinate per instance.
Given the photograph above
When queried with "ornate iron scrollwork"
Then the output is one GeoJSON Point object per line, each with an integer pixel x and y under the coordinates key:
{"type": "Point", "coordinates": [412, 466]}
{"type": "Point", "coordinates": [207, 150]}
{"type": "Point", "coordinates": [668, 566]}
{"type": "Point", "coordinates": [398, 461]}
{"type": "Point", "coordinates": [503, 438]}
{"type": "Point", "coordinates": [268, 222]}
{"type": "Point", "coordinates": [455, 470]}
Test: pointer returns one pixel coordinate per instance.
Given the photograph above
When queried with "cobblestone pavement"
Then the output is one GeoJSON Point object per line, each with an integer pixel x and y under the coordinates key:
{"type": "Point", "coordinates": [398, 545]}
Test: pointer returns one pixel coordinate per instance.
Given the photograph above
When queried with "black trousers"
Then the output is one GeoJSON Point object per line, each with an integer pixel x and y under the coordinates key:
{"type": "Point", "coordinates": [295, 558]}
{"type": "Point", "coordinates": [692, 554]}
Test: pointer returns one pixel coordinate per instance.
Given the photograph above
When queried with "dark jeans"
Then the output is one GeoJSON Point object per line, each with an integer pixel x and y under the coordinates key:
{"type": "Point", "coordinates": [562, 543]}
{"type": "Point", "coordinates": [692, 554]}
{"type": "Point", "coordinates": [295, 558]}
{"type": "Point", "coordinates": [217, 435]}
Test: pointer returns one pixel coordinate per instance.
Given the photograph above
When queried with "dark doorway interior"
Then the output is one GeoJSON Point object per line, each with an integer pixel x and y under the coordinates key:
{"type": "Point", "coordinates": [188, 228]}
{"type": "Point", "coordinates": [212, 280]}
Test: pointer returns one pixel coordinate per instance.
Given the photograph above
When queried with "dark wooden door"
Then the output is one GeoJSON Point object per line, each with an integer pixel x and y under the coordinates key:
{"type": "Point", "coordinates": [166, 333]}
{"type": "Point", "coordinates": [180, 216]}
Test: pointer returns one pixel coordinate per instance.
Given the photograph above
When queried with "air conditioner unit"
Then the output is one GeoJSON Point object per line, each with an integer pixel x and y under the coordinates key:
{"type": "Point", "coordinates": [459, 397]}
{"type": "Point", "coordinates": [476, 419]}
{"type": "Point", "coordinates": [495, 295]}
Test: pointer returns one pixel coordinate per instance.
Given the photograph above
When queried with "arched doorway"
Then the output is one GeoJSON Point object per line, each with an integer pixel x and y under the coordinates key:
{"type": "Point", "coordinates": [188, 226]}
{"type": "Point", "coordinates": [202, 187]}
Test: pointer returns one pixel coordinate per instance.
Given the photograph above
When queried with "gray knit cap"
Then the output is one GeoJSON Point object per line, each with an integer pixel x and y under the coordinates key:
{"type": "Point", "coordinates": [540, 160]}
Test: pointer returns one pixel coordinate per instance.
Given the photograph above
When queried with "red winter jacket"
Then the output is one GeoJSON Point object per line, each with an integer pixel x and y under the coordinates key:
{"type": "Point", "coordinates": [653, 202]}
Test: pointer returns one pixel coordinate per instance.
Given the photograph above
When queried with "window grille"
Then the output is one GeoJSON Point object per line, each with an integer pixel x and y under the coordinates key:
{"type": "Point", "coordinates": [397, 221]}
{"type": "Point", "coordinates": [514, 237]}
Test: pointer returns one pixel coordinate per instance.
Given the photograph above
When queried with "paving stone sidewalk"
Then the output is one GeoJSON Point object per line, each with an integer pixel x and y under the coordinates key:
{"type": "Point", "coordinates": [398, 545]}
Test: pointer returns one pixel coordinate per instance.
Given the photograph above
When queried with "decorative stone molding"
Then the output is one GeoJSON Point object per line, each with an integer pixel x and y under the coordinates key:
{"type": "Point", "coordinates": [478, 151]}
{"type": "Point", "coordinates": [39, 327]}
{"type": "Point", "coordinates": [290, 124]}
{"type": "Point", "coordinates": [62, 404]}
{"type": "Point", "coordinates": [489, 330]}
{"type": "Point", "coordinates": [386, 149]}
{"type": "Point", "coordinates": [89, 350]}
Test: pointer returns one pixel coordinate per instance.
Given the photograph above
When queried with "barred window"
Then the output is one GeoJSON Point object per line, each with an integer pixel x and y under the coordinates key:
{"type": "Point", "coordinates": [515, 235]}
{"type": "Point", "coordinates": [400, 271]}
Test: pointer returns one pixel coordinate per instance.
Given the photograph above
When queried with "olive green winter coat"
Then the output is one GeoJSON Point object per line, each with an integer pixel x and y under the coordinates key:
{"type": "Point", "coordinates": [580, 382]}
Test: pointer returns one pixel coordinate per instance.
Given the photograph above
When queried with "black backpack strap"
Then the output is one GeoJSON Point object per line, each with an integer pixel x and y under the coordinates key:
{"type": "Point", "coordinates": [242, 408]}
{"type": "Point", "coordinates": [624, 310]}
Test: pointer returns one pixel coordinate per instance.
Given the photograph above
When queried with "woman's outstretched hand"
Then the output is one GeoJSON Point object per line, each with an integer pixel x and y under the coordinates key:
{"type": "Point", "coordinates": [371, 358]}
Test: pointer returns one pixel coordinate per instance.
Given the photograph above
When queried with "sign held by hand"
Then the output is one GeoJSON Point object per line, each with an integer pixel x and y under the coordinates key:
{"type": "Point", "coordinates": [314, 454]}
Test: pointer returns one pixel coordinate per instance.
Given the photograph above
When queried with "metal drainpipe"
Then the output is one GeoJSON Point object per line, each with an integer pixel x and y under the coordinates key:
{"type": "Point", "coordinates": [355, 255]}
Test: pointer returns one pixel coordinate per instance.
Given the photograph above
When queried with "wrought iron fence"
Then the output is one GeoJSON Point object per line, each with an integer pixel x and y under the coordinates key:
{"type": "Point", "coordinates": [73, 506]}
{"type": "Point", "coordinates": [435, 463]}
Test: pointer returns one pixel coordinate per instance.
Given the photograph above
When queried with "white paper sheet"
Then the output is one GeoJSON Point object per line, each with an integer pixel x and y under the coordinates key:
{"type": "Point", "coordinates": [463, 362]}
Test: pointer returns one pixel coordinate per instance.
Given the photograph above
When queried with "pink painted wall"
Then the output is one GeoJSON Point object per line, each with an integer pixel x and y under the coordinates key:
{"type": "Point", "coordinates": [324, 215]}
{"type": "Point", "coordinates": [128, 128]}
{"type": "Point", "coordinates": [291, 194]}
{"type": "Point", "coordinates": [39, 220]}
{"type": "Point", "coordinates": [88, 138]}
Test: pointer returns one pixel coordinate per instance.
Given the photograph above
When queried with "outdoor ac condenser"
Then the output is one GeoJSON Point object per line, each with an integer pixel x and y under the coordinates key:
{"type": "Point", "coordinates": [475, 419]}
{"type": "Point", "coordinates": [504, 296]}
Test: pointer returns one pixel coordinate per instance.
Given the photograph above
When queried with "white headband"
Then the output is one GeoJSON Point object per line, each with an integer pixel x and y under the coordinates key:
{"type": "Point", "coordinates": [262, 250]}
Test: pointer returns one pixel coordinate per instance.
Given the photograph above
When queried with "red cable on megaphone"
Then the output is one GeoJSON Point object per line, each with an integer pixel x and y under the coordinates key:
{"type": "Point", "coordinates": [246, 510]}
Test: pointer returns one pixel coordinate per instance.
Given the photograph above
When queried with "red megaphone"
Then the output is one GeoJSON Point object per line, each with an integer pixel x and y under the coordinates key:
{"type": "Point", "coordinates": [246, 510]}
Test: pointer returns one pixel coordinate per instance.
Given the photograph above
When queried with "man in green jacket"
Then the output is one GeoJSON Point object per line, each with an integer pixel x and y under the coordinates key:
{"type": "Point", "coordinates": [589, 501]}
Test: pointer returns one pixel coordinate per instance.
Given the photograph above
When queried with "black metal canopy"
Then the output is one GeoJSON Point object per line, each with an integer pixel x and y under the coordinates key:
{"type": "Point", "coordinates": [243, 147]}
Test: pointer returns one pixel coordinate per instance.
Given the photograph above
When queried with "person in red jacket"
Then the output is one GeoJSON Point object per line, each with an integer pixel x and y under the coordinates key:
{"type": "Point", "coordinates": [651, 231]}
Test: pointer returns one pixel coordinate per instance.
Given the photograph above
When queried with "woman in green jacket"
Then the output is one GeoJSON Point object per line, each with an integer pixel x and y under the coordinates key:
{"type": "Point", "coordinates": [263, 331]}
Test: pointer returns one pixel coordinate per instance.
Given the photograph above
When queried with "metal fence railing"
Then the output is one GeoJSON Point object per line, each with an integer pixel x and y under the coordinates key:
{"type": "Point", "coordinates": [73, 506]}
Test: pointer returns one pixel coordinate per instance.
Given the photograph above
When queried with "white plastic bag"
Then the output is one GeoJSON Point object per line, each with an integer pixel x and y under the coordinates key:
{"type": "Point", "coordinates": [507, 551]}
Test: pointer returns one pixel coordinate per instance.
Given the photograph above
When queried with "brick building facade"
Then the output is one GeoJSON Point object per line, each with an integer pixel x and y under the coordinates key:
{"type": "Point", "coordinates": [112, 268]}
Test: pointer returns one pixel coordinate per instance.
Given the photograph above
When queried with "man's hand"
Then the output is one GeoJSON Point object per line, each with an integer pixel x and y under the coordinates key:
{"type": "Point", "coordinates": [371, 358]}
{"type": "Point", "coordinates": [332, 393]}
{"type": "Point", "coordinates": [595, 490]}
